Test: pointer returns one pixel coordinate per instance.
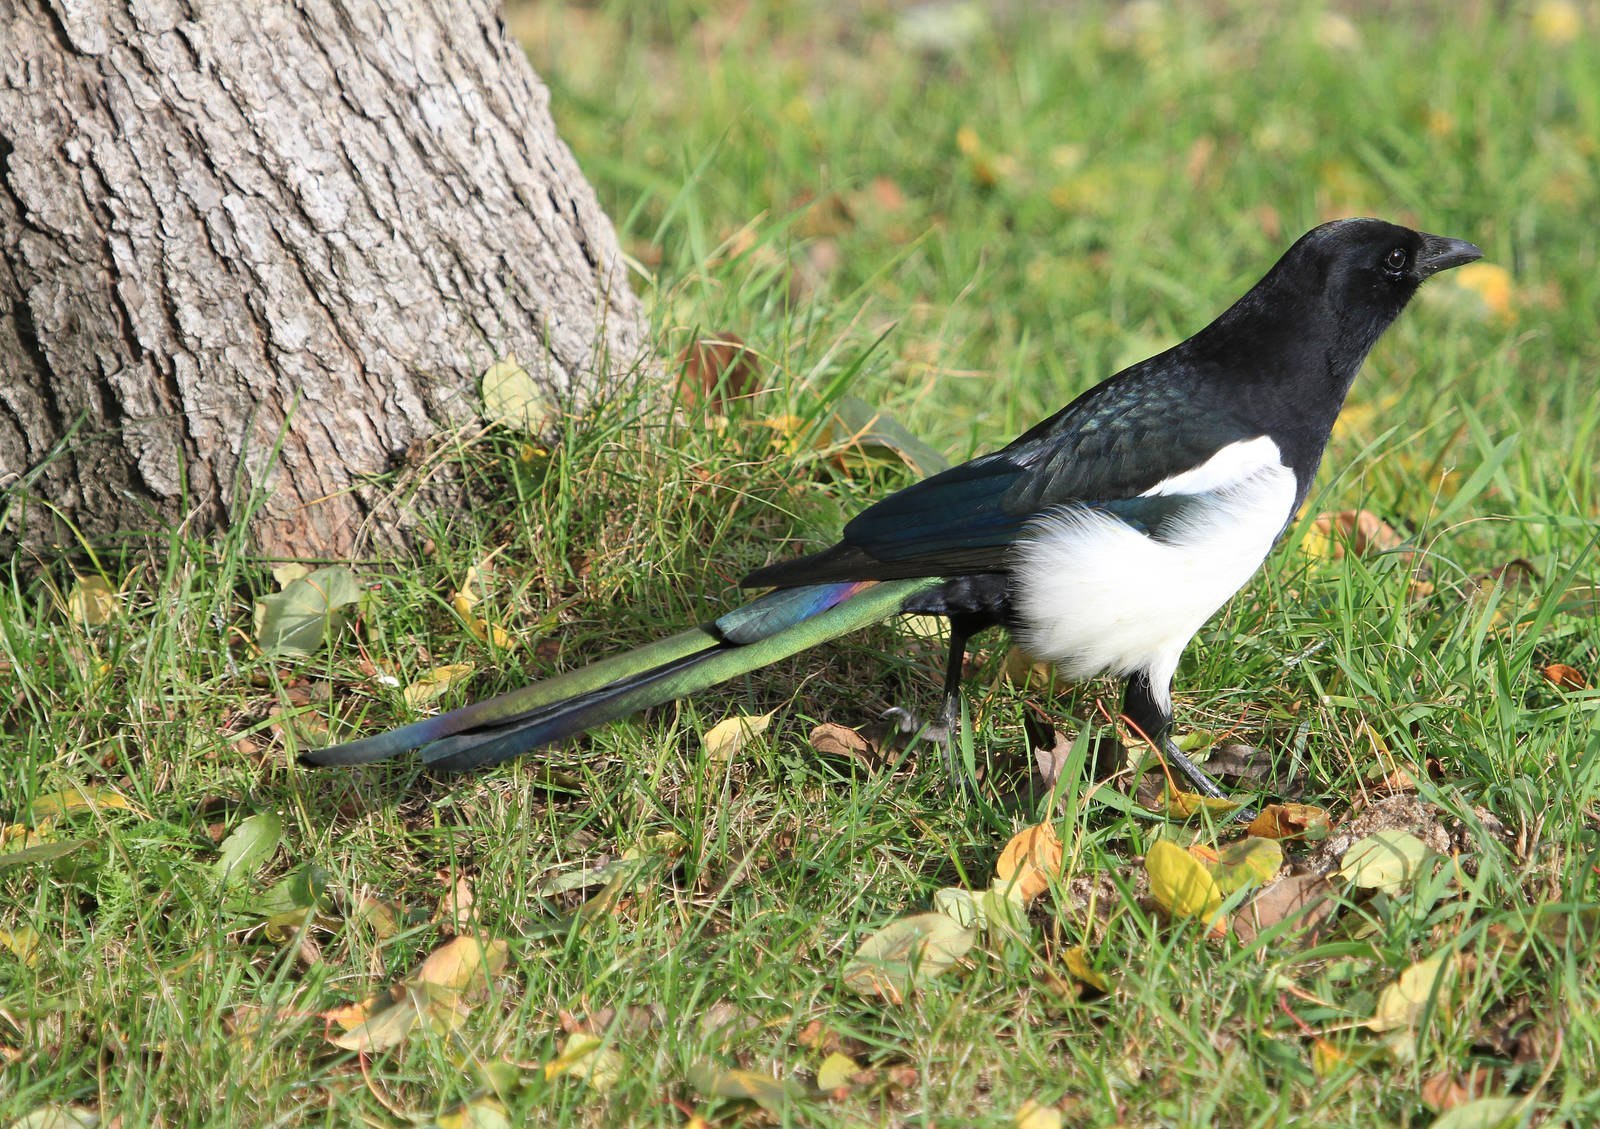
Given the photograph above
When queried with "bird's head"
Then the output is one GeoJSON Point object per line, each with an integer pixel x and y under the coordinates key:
{"type": "Point", "coordinates": [1366, 270]}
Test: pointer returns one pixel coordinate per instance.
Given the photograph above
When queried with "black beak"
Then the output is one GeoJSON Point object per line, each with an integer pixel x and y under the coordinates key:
{"type": "Point", "coordinates": [1440, 252]}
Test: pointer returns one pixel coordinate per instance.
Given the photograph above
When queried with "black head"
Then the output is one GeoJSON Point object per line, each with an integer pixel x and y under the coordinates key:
{"type": "Point", "coordinates": [1370, 264]}
{"type": "Point", "coordinates": [1332, 295]}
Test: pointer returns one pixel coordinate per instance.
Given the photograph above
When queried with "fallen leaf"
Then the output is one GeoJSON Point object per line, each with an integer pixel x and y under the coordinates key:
{"type": "Point", "coordinates": [728, 737]}
{"type": "Point", "coordinates": [1030, 860]}
{"type": "Point", "coordinates": [480, 1113]}
{"type": "Point", "coordinates": [1361, 533]}
{"type": "Point", "coordinates": [1178, 804]}
{"type": "Point", "coordinates": [1002, 909]}
{"type": "Point", "coordinates": [309, 610]}
{"type": "Point", "coordinates": [1303, 898]}
{"type": "Point", "coordinates": [836, 1072]}
{"type": "Point", "coordinates": [1448, 1088]}
{"type": "Point", "coordinates": [1249, 862]}
{"type": "Point", "coordinates": [905, 954]}
{"type": "Point", "coordinates": [716, 370]}
{"type": "Point", "coordinates": [1385, 860]}
{"type": "Point", "coordinates": [771, 1094]}
{"type": "Point", "coordinates": [862, 431]}
{"type": "Point", "coordinates": [247, 848]}
{"type": "Point", "coordinates": [513, 399]}
{"type": "Point", "coordinates": [1290, 821]}
{"type": "Point", "coordinates": [385, 1027]}
{"type": "Point", "coordinates": [73, 800]}
{"type": "Point", "coordinates": [1032, 1115]}
{"type": "Point", "coordinates": [1179, 882]}
{"type": "Point", "coordinates": [1076, 960]}
{"type": "Point", "coordinates": [1052, 750]}
{"type": "Point", "coordinates": [1565, 677]}
{"type": "Point", "coordinates": [287, 573]}
{"type": "Point", "coordinates": [587, 1057]}
{"type": "Point", "coordinates": [92, 602]}
{"type": "Point", "coordinates": [432, 685]}
{"type": "Point", "coordinates": [834, 740]}
{"type": "Point", "coordinates": [466, 963]}
{"type": "Point", "coordinates": [961, 906]}
{"type": "Point", "coordinates": [1483, 1113]}
{"type": "Point", "coordinates": [455, 911]}
{"type": "Point", "coordinates": [1419, 987]}
{"type": "Point", "coordinates": [23, 943]}
{"type": "Point", "coordinates": [55, 1115]}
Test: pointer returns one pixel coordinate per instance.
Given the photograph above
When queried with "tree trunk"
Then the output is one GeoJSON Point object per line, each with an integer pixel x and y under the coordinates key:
{"type": "Point", "coordinates": [264, 249]}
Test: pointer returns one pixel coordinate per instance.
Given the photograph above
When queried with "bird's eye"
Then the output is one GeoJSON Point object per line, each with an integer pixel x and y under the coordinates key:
{"type": "Point", "coordinates": [1396, 261]}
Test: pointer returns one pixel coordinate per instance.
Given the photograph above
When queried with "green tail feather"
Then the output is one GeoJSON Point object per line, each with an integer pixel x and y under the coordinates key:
{"type": "Point", "coordinates": [773, 627]}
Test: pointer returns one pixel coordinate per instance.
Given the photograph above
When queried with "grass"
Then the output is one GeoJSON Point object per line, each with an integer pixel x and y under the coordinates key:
{"type": "Point", "coordinates": [967, 236]}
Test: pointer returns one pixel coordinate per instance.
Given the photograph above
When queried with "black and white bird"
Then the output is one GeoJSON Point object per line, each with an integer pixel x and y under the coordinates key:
{"type": "Point", "coordinates": [1103, 538]}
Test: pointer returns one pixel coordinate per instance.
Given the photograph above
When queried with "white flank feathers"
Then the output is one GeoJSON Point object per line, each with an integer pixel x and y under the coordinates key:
{"type": "Point", "coordinates": [1095, 595]}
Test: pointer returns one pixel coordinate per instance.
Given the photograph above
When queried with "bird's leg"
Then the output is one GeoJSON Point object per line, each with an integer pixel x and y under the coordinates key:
{"type": "Point", "coordinates": [1151, 714]}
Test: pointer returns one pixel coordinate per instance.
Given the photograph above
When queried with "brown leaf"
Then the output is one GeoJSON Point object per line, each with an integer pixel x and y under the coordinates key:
{"type": "Point", "coordinates": [1290, 821]}
{"type": "Point", "coordinates": [1359, 532]}
{"type": "Point", "coordinates": [1446, 1090]}
{"type": "Point", "coordinates": [716, 370]}
{"type": "Point", "coordinates": [1304, 898]}
{"type": "Point", "coordinates": [886, 194]}
{"type": "Point", "coordinates": [1051, 748]}
{"type": "Point", "coordinates": [834, 740]}
{"type": "Point", "coordinates": [1029, 860]}
{"type": "Point", "coordinates": [1565, 677]}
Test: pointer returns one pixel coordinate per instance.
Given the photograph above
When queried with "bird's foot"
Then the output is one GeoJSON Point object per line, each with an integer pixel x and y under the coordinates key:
{"type": "Point", "coordinates": [1200, 780]}
{"type": "Point", "coordinates": [910, 726]}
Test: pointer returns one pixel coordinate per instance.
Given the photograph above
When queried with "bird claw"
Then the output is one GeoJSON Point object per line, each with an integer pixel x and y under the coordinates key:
{"type": "Point", "coordinates": [908, 724]}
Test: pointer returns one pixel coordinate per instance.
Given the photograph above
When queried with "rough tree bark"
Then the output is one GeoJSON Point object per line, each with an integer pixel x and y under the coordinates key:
{"type": "Point", "coordinates": [270, 247]}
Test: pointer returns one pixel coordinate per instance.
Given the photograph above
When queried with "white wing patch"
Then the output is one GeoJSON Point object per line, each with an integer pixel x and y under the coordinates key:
{"type": "Point", "coordinates": [1094, 595]}
{"type": "Point", "coordinates": [1228, 467]}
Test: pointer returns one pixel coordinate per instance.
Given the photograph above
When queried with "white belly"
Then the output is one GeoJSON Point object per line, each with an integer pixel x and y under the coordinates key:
{"type": "Point", "coordinates": [1096, 596]}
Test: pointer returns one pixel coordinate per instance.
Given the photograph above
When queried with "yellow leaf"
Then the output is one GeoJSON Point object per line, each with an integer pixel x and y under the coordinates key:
{"type": "Point", "coordinates": [727, 738]}
{"type": "Point", "coordinates": [836, 1072]}
{"type": "Point", "coordinates": [385, 1028]}
{"type": "Point", "coordinates": [1557, 22]}
{"type": "Point", "coordinates": [287, 573]}
{"type": "Point", "coordinates": [1326, 1058]}
{"type": "Point", "coordinates": [1491, 283]}
{"type": "Point", "coordinates": [23, 943]}
{"type": "Point", "coordinates": [74, 800]}
{"type": "Point", "coordinates": [512, 397]}
{"type": "Point", "coordinates": [772, 1094]}
{"type": "Point", "coordinates": [488, 632]}
{"type": "Point", "coordinates": [585, 1056]}
{"type": "Point", "coordinates": [1029, 861]}
{"type": "Point", "coordinates": [1032, 1115]}
{"type": "Point", "coordinates": [1179, 882]}
{"type": "Point", "coordinates": [1077, 961]}
{"type": "Point", "coordinates": [433, 684]}
{"type": "Point", "coordinates": [1418, 988]}
{"type": "Point", "coordinates": [466, 962]}
{"type": "Point", "coordinates": [480, 1113]}
{"type": "Point", "coordinates": [92, 602]}
{"type": "Point", "coordinates": [354, 1015]}
{"type": "Point", "coordinates": [1178, 804]}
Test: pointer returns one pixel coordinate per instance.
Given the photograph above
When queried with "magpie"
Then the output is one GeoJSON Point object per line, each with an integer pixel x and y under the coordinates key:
{"type": "Point", "coordinates": [1103, 538]}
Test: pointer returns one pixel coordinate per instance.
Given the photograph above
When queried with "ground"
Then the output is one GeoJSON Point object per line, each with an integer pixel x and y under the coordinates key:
{"type": "Point", "coordinates": [960, 215]}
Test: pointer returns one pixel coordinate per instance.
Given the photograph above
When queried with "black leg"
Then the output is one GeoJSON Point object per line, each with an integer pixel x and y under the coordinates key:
{"type": "Point", "coordinates": [962, 628]}
{"type": "Point", "coordinates": [1153, 717]}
